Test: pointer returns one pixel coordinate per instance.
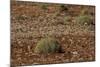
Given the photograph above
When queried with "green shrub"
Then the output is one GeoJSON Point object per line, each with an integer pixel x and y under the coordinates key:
{"type": "Point", "coordinates": [44, 6]}
{"type": "Point", "coordinates": [84, 19]}
{"type": "Point", "coordinates": [67, 20]}
{"type": "Point", "coordinates": [63, 8]}
{"type": "Point", "coordinates": [47, 45]}
{"type": "Point", "coordinates": [84, 11]}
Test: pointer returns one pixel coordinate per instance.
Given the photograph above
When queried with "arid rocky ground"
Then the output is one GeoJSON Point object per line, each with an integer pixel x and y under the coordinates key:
{"type": "Point", "coordinates": [32, 21]}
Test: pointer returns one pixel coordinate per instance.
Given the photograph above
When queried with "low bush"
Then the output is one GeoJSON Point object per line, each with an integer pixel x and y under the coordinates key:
{"type": "Point", "coordinates": [47, 45]}
{"type": "Point", "coordinates": [84, 20]}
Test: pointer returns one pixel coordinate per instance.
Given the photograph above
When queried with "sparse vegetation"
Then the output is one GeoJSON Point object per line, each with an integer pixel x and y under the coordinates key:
{"type": "Point", "coordinates": [67, 19]}
{"type": "Point", "coordinates": [47, 45]}
{"type": "Point", "coordinates": [32, 23]}
{"type": "Point", "coordinates": [63, 8]}
{"type": "Point", "coordinates": [44, 6]}
{"type": "Point", "coordinates": [84, 12]}
{"type": "Point", "coordinates": [84, 20]}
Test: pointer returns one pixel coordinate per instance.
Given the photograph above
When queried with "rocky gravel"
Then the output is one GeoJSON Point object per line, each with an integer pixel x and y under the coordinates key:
{"type": "Point", "coordinates": [30, 22]}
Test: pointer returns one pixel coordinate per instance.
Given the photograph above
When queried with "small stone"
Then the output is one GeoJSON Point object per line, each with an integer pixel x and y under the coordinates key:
{"type": "Point", "coordinates": [63, 38]}
{"type": "Point", "coordinates": [19, 42]}
{"type": "Point", "coordinates": [35, 63]}
{"type": "Point", "coordinates": [19, 58]}
{"type": "Point", "coordinates": [66, 60]}
{"type": "Point", "coordinates": [81, 59]}
{"type": "Point", "coordinates": [75, 52]}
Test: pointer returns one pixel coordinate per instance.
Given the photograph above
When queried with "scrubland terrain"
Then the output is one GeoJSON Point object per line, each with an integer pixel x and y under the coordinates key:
{"type": "Point", "coordinates": [73, 26]}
